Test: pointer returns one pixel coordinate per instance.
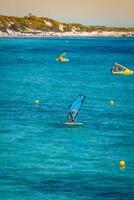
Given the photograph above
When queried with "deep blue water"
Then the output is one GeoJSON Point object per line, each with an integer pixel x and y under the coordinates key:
{"type": "Point", "coordinates": [41, 158]}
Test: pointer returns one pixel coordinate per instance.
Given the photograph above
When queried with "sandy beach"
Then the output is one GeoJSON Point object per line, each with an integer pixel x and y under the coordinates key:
{"type": "Point", "coordinates": [10, 33]}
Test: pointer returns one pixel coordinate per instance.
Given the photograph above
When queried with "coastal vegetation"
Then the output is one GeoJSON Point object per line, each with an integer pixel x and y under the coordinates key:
{"type": "Point", "coordinates": [34, 24]}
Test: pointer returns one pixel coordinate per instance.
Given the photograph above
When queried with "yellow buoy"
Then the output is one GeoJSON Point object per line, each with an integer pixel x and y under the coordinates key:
{"type": "Point", "coordinates": [37, 101]}
{"type": "Point", "coordinates": [111, 102]}
{"type": "Point", "coordinates": [122, 163]}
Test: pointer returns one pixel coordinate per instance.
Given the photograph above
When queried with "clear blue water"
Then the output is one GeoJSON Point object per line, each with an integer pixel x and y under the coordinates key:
{"type": "Point", "coordinates": [41, 158]}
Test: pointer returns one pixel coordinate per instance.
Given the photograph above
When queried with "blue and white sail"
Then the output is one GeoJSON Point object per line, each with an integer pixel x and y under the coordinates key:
{"type": "Point", "coordinates": [75, 107]}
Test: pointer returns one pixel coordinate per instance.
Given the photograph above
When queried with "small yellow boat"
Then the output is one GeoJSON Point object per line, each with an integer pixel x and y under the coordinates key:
{"type": "Point", "coordinates": [121, 70]}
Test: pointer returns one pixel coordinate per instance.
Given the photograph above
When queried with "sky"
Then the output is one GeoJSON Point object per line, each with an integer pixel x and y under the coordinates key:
{"type": "Point", "coordinates": [88, 12]}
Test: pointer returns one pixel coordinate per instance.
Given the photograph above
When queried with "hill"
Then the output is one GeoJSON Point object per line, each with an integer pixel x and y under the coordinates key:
{"type": "Point", "coordinates": [32, 24]}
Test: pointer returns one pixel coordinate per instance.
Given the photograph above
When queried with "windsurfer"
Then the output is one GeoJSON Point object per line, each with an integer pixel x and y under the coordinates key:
{"type": "Point", "coordinates": [74, 109]}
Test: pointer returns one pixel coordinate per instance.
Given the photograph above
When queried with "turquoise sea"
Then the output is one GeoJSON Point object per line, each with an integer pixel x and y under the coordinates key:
{"type": "Point", "coordinates": [40, 157]}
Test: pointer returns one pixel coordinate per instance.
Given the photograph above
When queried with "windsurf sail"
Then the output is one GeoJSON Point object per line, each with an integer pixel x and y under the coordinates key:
{"type": "Point", "coordinates": [62, 55]}
{"type": "Point", "coordinates": [75, 107]}
{"type": "Point", "coordinates": [62, 58]}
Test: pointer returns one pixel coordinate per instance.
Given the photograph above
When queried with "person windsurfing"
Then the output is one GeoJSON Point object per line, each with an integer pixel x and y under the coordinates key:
{"type": "Point", "coordinates": [74, 109]}
{"type": "Point", "coordinates": [62, 58]}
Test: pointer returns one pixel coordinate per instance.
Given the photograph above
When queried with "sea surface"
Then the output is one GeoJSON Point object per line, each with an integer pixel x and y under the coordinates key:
{"type": "Point", "coordinates": [40, 157]}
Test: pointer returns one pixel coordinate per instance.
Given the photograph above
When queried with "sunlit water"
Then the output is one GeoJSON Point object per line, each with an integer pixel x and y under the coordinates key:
{"type": "Point", "coordinates": [40, 157]}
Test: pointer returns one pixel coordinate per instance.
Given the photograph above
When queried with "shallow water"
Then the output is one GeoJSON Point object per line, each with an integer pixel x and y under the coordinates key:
{"type": "Point", "coordinates": [40, 157]}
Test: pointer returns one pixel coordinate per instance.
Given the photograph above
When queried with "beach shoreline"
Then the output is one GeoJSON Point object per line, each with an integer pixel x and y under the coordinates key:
{"type": "Point", "coordinates": [13, 34]}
